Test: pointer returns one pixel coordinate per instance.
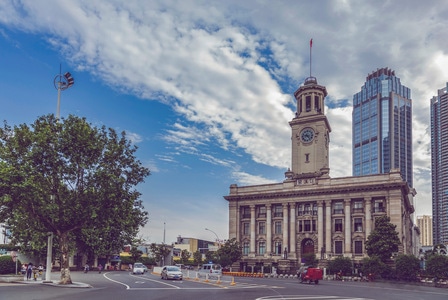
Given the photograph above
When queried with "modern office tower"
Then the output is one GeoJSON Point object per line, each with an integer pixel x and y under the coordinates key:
{"type": "Point", "coordinates": [382, 126]}
{"type": "Point", "coordinates": [439, 165]}
{"type": "Point", "coordinates": [424, 223]}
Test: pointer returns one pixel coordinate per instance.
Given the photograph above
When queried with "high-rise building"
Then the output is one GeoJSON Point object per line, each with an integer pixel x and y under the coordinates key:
{"type": "Point", "coordinates": [382, 126]}
{"type": "Point", "coordinates": [439, 165]}
{"type": "Point", "coordinates": [424, 223]}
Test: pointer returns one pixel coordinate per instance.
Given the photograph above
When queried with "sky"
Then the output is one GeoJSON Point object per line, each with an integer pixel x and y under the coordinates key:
{"type": "Point", "coordinates": [204, 89]}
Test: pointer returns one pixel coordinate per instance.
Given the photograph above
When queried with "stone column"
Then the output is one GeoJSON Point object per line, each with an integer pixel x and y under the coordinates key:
{"type": "Point", "coordinates": [368, 214]}
{"type": "Point", "coordinates": [285, 225]}
{"type": "Point", "coordinates": [292, 230]}
{"type": "Point", "coordinates": [268, 230]}
{"type": "Point", "coordinates": [328, 231]}
{"type": "Point", "coordinates": [348, 226]}
{"type": "Point", "coordinates": [320, 225]}
{"type": "Point", "coordinates": [234, 220]}
{"type": "Point", "coordinates": [252, 230]}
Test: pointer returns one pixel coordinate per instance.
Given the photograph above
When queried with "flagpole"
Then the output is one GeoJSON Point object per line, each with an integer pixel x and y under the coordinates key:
{"type": "Point", "coordinates": [311, 46]}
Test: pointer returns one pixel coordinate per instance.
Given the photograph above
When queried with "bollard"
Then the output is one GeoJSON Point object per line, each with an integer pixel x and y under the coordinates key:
{"type": "Point", "coordinates": [233, 281]}
{"type": "Point", "coordinates": [197, 276]}
{"type": "Point", "coordinates": [219, 279]}
{"type": "Point", "coordinates": [206, 278]}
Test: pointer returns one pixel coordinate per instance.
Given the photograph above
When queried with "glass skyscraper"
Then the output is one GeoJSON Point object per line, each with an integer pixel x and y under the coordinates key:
{"type": "Point", "coordinates": [382, 126]}
{"type": "Point", "coordinates": [439, 165]}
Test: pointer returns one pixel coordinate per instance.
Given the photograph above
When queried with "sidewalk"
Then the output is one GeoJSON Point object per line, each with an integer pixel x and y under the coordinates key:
{"type": "Point", "coordinates": [54, 282]}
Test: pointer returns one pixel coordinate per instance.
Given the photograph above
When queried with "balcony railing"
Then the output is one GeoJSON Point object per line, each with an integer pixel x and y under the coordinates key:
{"type": "Point", "coordinates": [338, 211]}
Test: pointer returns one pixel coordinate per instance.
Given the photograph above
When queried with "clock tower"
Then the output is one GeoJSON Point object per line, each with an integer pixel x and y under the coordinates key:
{"type": "Point", "coordinates": [310, 134]}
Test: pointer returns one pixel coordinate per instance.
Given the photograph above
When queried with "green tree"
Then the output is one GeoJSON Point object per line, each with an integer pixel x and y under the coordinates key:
{"type": "Point", "coordinates": [73, 180]}
{"type": "Point", "coordinates": [136, 254]}
{"type": "Point", "coordinates": [197, 257]}
{"type": "Point", "coordinates": [310, 260]}
{"type": "Point", "coordinates": [229, 253]}
{"type": "Point", "coordinates": [340, 264]}
{"type": "Point", "coordinates": [407, 267]}
{"type": "Point", "coordinates": [373, 265]}
{"type": "Point", "coordinates": [383, 240]}
{"type": "Point", "coordinates": [184, 256]}
{"type": "Point", "coordinates": [437, 266]}
{"type": "Point", "coordinates": [159, 252]}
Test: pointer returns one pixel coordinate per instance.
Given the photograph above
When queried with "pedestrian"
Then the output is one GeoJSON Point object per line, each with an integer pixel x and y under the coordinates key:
{"type": "Point", "coordinates": [100, 267]}
{"type": "Point", "coordinates": [29, 271]}
{"type": "Point", "coordinates": [86, 268]}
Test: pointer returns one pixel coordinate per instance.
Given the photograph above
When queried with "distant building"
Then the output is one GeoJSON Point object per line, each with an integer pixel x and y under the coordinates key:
{"type": "Point", "coordinates": [192, 245]}
{"type": "Point", "coordinates": [382, 126]}
{"type": "Point", "coordinates": [310, 212]}
{"type": "Point", "coordinates": [424, 224]}
{"type": "Point", "coordinates": [439, 165]}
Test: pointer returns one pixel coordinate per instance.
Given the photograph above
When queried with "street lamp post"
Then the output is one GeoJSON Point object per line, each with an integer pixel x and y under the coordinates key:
{"type": "Point", "coordinates": [61, 83]}
{"type": "Point", "coordinates": [217, 238]}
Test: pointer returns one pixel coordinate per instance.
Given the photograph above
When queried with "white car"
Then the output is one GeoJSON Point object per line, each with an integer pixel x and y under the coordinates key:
{"type": "Point", "coordinates": [138, 268]}
{"type": "Point", "coordinates": [171, 272]}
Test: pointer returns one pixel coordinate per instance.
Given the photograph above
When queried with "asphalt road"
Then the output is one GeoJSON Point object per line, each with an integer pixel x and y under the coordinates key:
{"type": "Point", "coordinates": [121, 285]}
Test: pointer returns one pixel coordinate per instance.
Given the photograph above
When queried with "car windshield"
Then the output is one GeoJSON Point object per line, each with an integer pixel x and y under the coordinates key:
{"type": "Point", "coordinates": [138, 265]}
{"type": "Point", "coordinates": [173, 269]}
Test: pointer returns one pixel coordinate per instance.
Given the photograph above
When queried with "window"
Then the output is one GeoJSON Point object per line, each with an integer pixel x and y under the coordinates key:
{"type": "Point", "coordinates": [262, 212]}
{"type": "Point", "coordinates": [307, 157]}
{"type": "Point", "coordinates": [277, 227]}
{"type": "Point", "coordinates": [300, 226]}
{"type": "Point", "coordinates": [338, 225]}
{"type": "Point", "coordinates": [278, 248]}
{"type": "Point", "coordinates": [358, 224]}
{"type": "Point", "coordinates": [314, 209]}
{"type": "Point", "coordinates": [278, 211]}
{"type": "Point", "coordinates": [246, 230]}
{"type": "Point", "coordinates": [307, 210]}
{"type": "Point", "coordinates": [338, 247]}
{"type": "Point", "coordinates": [358, 247]}
{"type": "Point", "coordinates": [308, 103]}
{"type": "Point", "coordinates": [338, 208]}
{"type": "Point", "coordinates": [261, 228]}
{"type": "Point", "coordinates": [313, 224]}
{"type": "Point", "coordinates": [307, 225]}
{"type": "Point", "coordinates": [246, 212]}
{"type": "Point", "coordinates": [358, 207]}
{"type": "Point", "coordinates": [246, 248]}
{"type": "Point", "coordinates": [379, 206]}
{"type": "Point", "coordinates": [261, 247]}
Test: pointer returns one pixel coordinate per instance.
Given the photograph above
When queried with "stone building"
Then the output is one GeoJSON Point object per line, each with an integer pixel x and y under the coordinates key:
{"type": "Point", "coordinates": [310, 212]}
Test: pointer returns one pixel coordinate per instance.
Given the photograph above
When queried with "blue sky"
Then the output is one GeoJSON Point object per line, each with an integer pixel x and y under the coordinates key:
{"type": "Point", "coordinates": [205, 88]}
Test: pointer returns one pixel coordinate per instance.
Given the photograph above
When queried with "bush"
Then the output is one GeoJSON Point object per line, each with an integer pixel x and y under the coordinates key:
{"type": "Point", "coordinates": [340, 263]}
{"type": "Point", "coordinates": [407, 267]}
{"type": "Point", "coordinates": [437, 266]}
{"type": "Point", "coordinates": [373, 265]}
{"type": "Point", "coordinates": [7, 266]}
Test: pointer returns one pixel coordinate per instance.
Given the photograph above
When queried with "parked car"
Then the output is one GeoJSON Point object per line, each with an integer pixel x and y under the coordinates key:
{"type": "Point", "coordinates": [171, 272]}
{"type": "Point", "coordinates": [138, 268]}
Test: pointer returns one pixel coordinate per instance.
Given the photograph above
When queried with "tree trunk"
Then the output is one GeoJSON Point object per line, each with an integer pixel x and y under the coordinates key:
{"type": "Point", "coordinates": [65, 270]}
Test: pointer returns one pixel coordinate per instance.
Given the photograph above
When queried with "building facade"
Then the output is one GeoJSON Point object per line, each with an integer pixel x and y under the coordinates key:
{"type": "Point", "coordinates": [439, 165]}
{"type": "Point", "coordinates": [310, 212]}
{"type": "Point", "coordinates": [382, 126]}
{"type": "Point", "coordinates": [424, 224]}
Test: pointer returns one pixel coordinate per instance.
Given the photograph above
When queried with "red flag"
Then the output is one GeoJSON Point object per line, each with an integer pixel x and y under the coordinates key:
{"type": "Point", "coordinates": [311, 43]}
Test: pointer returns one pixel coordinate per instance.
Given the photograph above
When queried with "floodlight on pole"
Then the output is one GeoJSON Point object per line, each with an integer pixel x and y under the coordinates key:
{"type": "Point", "coordinates": [61, 83]}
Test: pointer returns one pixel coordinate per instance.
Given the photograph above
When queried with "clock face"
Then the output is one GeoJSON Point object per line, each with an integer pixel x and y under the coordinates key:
{"type": "Point", "coordinates": [307, 135]}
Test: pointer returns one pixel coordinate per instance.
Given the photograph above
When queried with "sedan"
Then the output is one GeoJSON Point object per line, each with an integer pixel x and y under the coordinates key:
{"type": "Point", "coordinates": [171, 272]}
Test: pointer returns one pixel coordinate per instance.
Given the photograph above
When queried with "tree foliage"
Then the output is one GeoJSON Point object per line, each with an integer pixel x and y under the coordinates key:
{"type": "Point", "coordinates": [310, 260]}
{"type": "Point", "coordinates": [407, 267]}
{"type": "Point", "coordinates": [383, 240]}
{"type": "Point", "coordinates": [72, 179]}
{"type": "Point", "coordinates": [159, 252]}
{"type": "Point", "coordinates": [184, 256]}
{"type": "Point", "coordinates": [8, 266]}
{"type": "Point", "coordinates": [229, 253]}
{"type": "Point", "coordinates": [373, 265]}
{"type": "Point", "coordinates": [437, 265]}
{"type": "Point", "coordinates": [197, 257]}
{"type": "Point", "coordinates": [340, 264]}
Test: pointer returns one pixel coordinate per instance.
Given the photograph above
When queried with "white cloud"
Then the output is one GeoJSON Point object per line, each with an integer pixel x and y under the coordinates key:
{"type": "Point", "coordinates": [229, 68]}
